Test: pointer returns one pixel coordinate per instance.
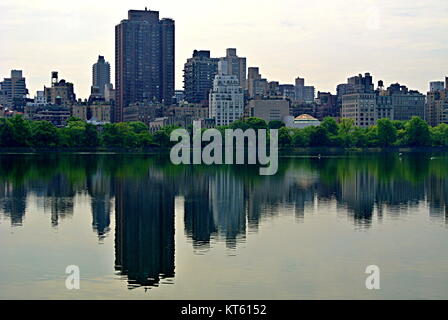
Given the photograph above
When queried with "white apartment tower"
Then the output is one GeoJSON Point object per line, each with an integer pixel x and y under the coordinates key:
{"type": "Point", "coordinates": [226, 102]}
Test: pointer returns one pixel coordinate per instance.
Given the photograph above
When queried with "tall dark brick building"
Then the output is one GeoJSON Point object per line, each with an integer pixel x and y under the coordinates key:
{"type": "Point", "coordinates": [144, 59]}
{"type": "Point", "coordinates": [199, 73]}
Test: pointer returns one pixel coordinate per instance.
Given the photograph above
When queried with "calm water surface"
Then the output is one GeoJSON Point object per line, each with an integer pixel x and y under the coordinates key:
{"type": "Point", "coordinates": [141, 228]}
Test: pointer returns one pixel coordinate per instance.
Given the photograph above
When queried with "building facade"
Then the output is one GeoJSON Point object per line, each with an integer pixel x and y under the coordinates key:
{"type": "Point", "coordinates": [236, 66]}
{"type": "Point", "coordinates": [195, 111]}
{"type": "Point", "coordinates": [57, 115]}
{"type": "Point", "coordinates": [142, 111]}
{"type": "Point", "coordinates": [436, 86]}
{"type": "Point", "coordinates": [257, 86]}
{"type": "Point", "coordinates": [39, 99]}
{"type": "Point", "coordinates": [405, 103]}
{"type": "Point", "coordinates": [365, 105]}
{"type": "Point", "coordinates": [13, 90]}
{"type": "Point", "coordinates": [199, 73]}
{"type": "Point", "coordinates": [304, 94]}
{"type": "Point", "coordinates": [326, 106]}
{"type": "Point", "coordinates": [361, 107]}
{"type": "Point", "coordinates": [359, 101]}
{"type": "Point", "coordinates": [226, 102]}
{"type": "Point", "coordinates": [100, 113]}
{"type": "Point", "coordinates": [109, 93]}
{"type": "Point", "coordinates": [288, 91]}
{"type": "Point", "coordinates": [144, 59]}
{"type": "Point", "coordinates": [268, 109]}
{"type": "Point", "coordinates": [385, 107]}
{"type": "Point", "coordinates": [168, 41]}
{"type": "Point", "coordinates": [61, 92]}
{"type": "Point", "coordinates": [437, 107]}
{"type": "Point", "coordinates": [101, 75]}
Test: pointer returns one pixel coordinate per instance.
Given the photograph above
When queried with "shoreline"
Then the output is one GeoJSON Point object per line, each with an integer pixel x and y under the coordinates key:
{"type": "Point", "coordinates": [281, 152]}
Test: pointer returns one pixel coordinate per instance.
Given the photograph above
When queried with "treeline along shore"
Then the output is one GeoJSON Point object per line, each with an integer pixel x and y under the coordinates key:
{"type": "Point", "coordinates": [20, 135]}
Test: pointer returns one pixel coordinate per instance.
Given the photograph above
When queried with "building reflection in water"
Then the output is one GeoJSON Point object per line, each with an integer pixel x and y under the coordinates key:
{"type": "Point", "coordinates": [100, 190]}
{"type": "Point", "coordinates": [226, 194]}
{"type": "Point", "coordinates": [13, 202]}
{"type": "Point", "coordinates": [198, 213]}
{"type": "Point", "coordinates": [59, 198]}
{"type": "Point", "coordinates": [215, 208]}
{"type": "Point", "coordinates": [221, 204]}
{"type": "Point", "coordinates": [144, 232]}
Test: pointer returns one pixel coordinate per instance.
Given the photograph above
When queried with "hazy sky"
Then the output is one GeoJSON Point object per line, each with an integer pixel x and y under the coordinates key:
{"type": "Point", "coordinates": [324, 41]}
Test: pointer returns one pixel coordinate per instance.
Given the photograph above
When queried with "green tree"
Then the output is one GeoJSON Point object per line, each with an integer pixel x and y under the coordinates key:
{"type": "Point", "coordinates": [345, 132]}
{"type": "Point", "coordinates": [256, 123]}
{"type": "Point", "coordinates": [138, 127]}
{"type": "Point", "coordinates": [162, 138]}
{"type": "Point", "coordinates": [300, 139]}
{"type": "Point", "coordinates": [74, 133]}
{"type": "Point", "coordinates": [417, 132]}
{"type": "Point", "coordinates": [398, 124]}
{"type": "Point", "coordinates": [129, 138]}
{"type": "Point", "coordinates": [91, 136]}
{"type": "Point", "coordinates": [110, 135]}
{"type": "Point", "coordinates": [276, 124]}
{"type": "Point", "coordinates": [120, 135]}
{"type": "Point", "coordinates": [145, 139]}
{"type": "Point", "coordinates": [372, 136]}
{"type": "Point", "coordinates": [6, 139]}
{"type": "Point", "coordinates": [387, 132]}
{"type": "Point", "coordinates": [331, 125]}
{"type": "Point", "coordinates": [318, 136]}
{"type": "Point", "coordinates": [284, 139]}
{"type": "Point", "coordinates": [21, 131]}
{"type": "Point", "coordinates": [44, 134]}
{"type": "Point", "coordinates": [439, 135]}
{"type": "Point", "coordinates": [239, 124]}
{"type": "Point", "coordinates": [359, 137]}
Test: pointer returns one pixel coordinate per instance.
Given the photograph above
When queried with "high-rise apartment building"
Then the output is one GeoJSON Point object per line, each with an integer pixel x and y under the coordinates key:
{"type": "Point", "coordinates": [14, 90]}
{"type": "Point", "coordinates": [109, 93]}
{"type": "Point", "coordinates": [406, 103]}
{"type": "Point", "coordinates": [361, 107]}
{"type": "Point", "coordinates": [144, 58]}
{"type": "Point", "coordinates": [168, 31]}
{"type": "Point", "coordinates": [436, 86]}
{"type": "Point", "coordinates": [384, 108]}
{"type": "Point", "coordinates": [236, 66]}
{"type": "Point", "coordinates": [359, 101]}
{"type": "Point", "coordinates": [365, 105]}
{"type": "Point", "coordinates": [226, 102]}
{"type": "Point", "coordinates": [341, 90]}
{"type": "Point", "coordinates": [274, 89]}
{"type": "Point", "coordinates": [199, 73]}
{"type": "Point", "coordinates": [256, 85]}
{"type": "Point", "coordinates": [437, 105]}
{"type": "Point", "coordinates": [101, 75]}
{"type": "Point", "coordinates": [61, 92]}
{"type": "Point", "coordinates": [359, 83]}
{"type": "Point", "coordinates": [304, 94]}
{"type": "Point", "coordinates": [326, 106]}
{"type": "Point", "coordinates": [39, 100]}
{"type": "Point", "coordinates": [288, 91]}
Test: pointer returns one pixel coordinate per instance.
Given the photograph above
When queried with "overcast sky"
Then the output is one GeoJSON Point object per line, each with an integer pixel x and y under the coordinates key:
{"type": "Point", "coordinates": [324, 41]}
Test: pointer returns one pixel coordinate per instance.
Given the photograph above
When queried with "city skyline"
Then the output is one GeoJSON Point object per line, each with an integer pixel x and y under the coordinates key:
{"type": "Point", "coordinates": [405, 43]}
